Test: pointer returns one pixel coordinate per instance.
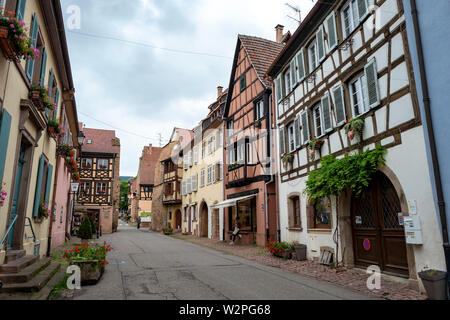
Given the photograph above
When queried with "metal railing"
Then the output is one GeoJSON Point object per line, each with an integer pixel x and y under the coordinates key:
{"type": "Point", "coordinates": [8, 231]}
{"type": "Point", "coordinates": [31, 227]}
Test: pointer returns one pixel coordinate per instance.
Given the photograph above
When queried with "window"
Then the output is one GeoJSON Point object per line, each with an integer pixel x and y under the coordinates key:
{"type": "Point", "coordinates": [231, 154]}
{"type": "Point", "coordinates": [317, 116]}
{"type": "Point", "coordinates": [210, 177]}
{"type": "Point", "coordinates": [195, 154]}
{"type": "Point", "coordinates": [287, 81]}
{"type": "Point", "coordinates": [282, 141]}
{"type": "Point", "coordinates": [202, 178]}
{"type": "Point", "coordinates": [240, 152]}
{"type": "Point", "coordinates": [259, 110]}
{"type": "Point", "coordinates": [352, 14]}
{"type": "Point", "coordinates": [86, 163]}
{"type": "Point", "coordinates": [313, 56]}
{"type": "Point", "coordinates": [249, 155]}
{"type": "Point", "coordinates": [230, 128]}
{"type": "Point", "coordinates": [194, 183]}
{"type": "Point", "coordinates": [358, 95]}
{"type": "Point", "coordinates": [89, 141]}
{"type": "Point", "coordinates": [203, 149]}
{"type": "Point", "coordinates": [210, 145]}
{"type": "Point", "coordinates": [246, 211]}
{"type": "Point", "coordinates": [294, 212]}
{"type": "Point", "coordinates": [85, 189]}
{"type": "Point", "coordinates": [291, 137]}
{"type": "Point", "coordinates": [103, 164]}
{"type": "Point", "coordinates": [278, 88]}
{"type": "Point", "coordinates": [322, 214]}
{"type": "Point", "coordinates": [305, 126]}
{"type": "Point", "coordinates": [243, 83]}
{"type": "Point", "coordinates": [100, 188]}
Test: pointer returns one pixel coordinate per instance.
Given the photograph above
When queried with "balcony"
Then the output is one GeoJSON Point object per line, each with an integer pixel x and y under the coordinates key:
{"type": "Point", "coordinates": [173, 198]}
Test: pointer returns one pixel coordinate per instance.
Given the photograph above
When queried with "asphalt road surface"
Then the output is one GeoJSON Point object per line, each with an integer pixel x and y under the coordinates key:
{"type": "Point", "coordinates": [150, 266]}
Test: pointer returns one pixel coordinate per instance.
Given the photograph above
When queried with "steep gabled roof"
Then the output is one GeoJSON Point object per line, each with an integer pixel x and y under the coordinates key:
{"type": "Point", "coordinates": [101, 141]}
{"type": "Point", "coordinates": [261, 54]}
{"type": "Point", "coordinates": [149, 160]}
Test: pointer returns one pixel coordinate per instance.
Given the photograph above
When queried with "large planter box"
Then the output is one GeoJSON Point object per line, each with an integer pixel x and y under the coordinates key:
{"type": "Point", "coordinates": [2, 256]}
{"type": "Point", "coordinates": [300, 252]}
{"type": "Point", "coordinates": [435, 284]}
{"type": "Point", "coordinates": [90, 271]}
{"type": "Point", "coordinates": [8, 48]}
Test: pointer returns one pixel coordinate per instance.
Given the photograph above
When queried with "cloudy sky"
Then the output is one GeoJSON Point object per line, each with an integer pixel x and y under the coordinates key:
{"type": "Point", "coordinates": [127, 80]}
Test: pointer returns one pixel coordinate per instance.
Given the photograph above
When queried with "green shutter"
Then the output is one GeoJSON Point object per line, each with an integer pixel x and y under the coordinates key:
{"type": "Point", "coordinates": [372, 83]}
{"type": "Point", "coordinates": [48, 185]}
{"type": "Point", "coordinates": [50, 91]}
{"type": "Point", "coordinates": [320, 44]}
{"type": "Point", "coordinates": [37, 194]}
{"type": "Point", "coordinates": [44, 65]}
{"type": "Point", "coordinates": [34, 35]}
{"type": "Point", "coordinates": [332, 32]}
{"type": "Point", "coordinates": [301, 66]}
{"type": "Point", "coordinates": [326, 112]}
{"type": "Point", "coordinates": [20, 9]}
{"type": "Point", "coordinates": [339, 105]}
{"type": "Point", "coordinates": [5, 126]}
{"type": "Point", "coordinates": [278, 89]}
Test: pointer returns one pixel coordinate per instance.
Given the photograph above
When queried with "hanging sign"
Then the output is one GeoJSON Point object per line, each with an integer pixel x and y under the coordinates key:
{"type": "Point", "coordinates": [401, 220]}
{"type": "Point", "coordinates": [366, 244]}
{"type": "Point", "coordinates": [358, 220]}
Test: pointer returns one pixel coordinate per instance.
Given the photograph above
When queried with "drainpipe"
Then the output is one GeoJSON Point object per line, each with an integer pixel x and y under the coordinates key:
{"type": "Point", "coordinates": [431, 137]}
{"type": "Point", "coordinates": [269, 118]}
{"type": "Point", "coordinates": [50, 228]}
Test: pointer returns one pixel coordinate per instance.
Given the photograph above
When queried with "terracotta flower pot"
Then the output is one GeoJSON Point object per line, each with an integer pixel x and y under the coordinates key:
{"type": "Point", "coordinates": [351, 134]}
{"type": "Point", "coordinates": [7, 45]}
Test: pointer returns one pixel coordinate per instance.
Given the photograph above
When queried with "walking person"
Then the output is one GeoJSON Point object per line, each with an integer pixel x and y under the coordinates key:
{"type": "Point", "coordinates": [138, 220]}
{"type": "Point", "coordinates": [236, 232]}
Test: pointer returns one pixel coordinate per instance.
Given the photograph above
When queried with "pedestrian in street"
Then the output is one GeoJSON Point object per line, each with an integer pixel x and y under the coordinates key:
{"type": "Point", "coordinates": [138, 222]}
{"type": "Point", "coordinates": [236, 232]}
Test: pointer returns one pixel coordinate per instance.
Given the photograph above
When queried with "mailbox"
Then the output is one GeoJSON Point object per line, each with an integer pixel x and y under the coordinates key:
{"type": "Point", "coordinates": [413, 230]}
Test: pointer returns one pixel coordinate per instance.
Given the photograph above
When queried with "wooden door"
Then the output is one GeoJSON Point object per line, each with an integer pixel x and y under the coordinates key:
{"type": "Point", "coordinates": [378, 237]}
{"type": "Point", "coordinates": [178, 219]}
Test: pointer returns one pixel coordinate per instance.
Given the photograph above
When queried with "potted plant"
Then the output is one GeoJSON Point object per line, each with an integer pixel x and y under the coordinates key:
{"type": "Point", "coordinates": [354, 127]}
{"type": "Point", "coordinates": [435, 283]}
{"type": "Point", "coordinates": [85, 231]}
{"type": "Point", "coordinates": [287, 158]}
{"type": "Point", "coordinates": [41, 99]}
{"type": "Point", "coordinates": [15, 43]}
{"type": "Point", "coordinates": [54, 128]}
{"type": "Point", "coordinates": [167, 231]}
{"type": "Point", "coordinates": [90, 259]}
{"type": "Point", "coordinates": [3, 193]}
{"type": "Point", "coordinates": [314, 145]}
{"type": "Point", "coordinates": [300, 251]}
{"type": "Point", "coordinates": [43, 211]}
{"type": "Point", "coordinates": [280, 249]}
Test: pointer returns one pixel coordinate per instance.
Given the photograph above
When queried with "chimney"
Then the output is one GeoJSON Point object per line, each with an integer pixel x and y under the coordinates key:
{"type": "Point", "coordinates": [279, 29]}
{"type": "Point", "coordinates": [219, 92]}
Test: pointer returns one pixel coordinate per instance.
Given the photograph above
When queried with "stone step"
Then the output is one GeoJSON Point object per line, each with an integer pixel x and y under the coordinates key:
{"type": "Point", "coordinates": [35, 284]}
{"type": "Point", "coordinates": [14, 255]}
{"type": "Point", "coordinates": [45, 292]}
{"type": "Point", "coordinates": [18, 264]}
{"type": "Point", "coordinates": [25, 274]}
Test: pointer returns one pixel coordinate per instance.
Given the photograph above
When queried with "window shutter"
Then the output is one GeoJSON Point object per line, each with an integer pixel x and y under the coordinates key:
{"type": "Point", "coordinates": [298, 139]}
{"type": "Point", "coordinates": [55, 113]}
{"type": "Point", "coordinates": [34, 35]}
{"type": "Point", "coordinates": [372, 83]}
{"type": "Point", "coordinates": [339, 105]}
{"type": "Point", "coordinates": [37, 195]}
{"type": "Point", "coordinates": [50, 84]}
{"type": "Point", "coordinates": [362, 9]}
{"type": "Point", "coordinates": [331, 31]}
{"type": "Point", "coordinates": [221, 171]}
{"type": "Point", "coordinates": [282, 141]}
{"type": "Point", "coordinates": [44, 65]}
{"type": "Point", "coordinates": [48, 183]}
{"type": "Point", "coordinates": [5, 126]}
{"type": "Point", "coordinates": [185, 162]}
{"type": "Point", "coordinates": [213, 174]}
{"type": "Point", "coordinates": [320, 44]}
{"type": "Point", "coordinates": [293, 68]}
{"type": "Point", "coordinates": [188, 185]}
{"type": "Point", "coordinates": [305, 127]}
{"type": "Point", "coordinates": [194, 182]}
{"type": "Point", "coordinates": [20, 11]}
{"type": "Point", "coordinates": [190, 158]}
{"type": "Point", "coordinates": [301, 66]}
{"type": "Point", "coordinates": [278, 88]}
{"type": "Point", "coordinates": [326, 112]}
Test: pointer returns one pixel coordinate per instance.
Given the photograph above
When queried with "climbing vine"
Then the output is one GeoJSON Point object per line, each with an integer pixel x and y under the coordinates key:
{"type": "Point", "coordinates": [351, 172]}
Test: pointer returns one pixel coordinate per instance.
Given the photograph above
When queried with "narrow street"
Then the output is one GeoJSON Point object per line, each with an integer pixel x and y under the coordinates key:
{"type": "Point", "coordinates": [151, 266]}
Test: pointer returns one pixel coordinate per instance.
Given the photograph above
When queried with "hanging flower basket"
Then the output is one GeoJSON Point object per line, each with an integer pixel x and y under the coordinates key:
{"type": "Point", "coordinates": [41, 99]}
{"type": "Point", "coordinates": [287, 158]}
{"type": "Point", "coordinates": [44, 211]}
{"type": "Point", "coordinates": [354, 128]}
{"type": "Point", "coordinates": [315, 145]}
{"type": "Point", "coordinates": [15, 43]}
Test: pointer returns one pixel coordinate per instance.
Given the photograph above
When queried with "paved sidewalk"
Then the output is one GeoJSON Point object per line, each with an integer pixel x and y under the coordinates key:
{"type": "Point", "coordinates": [354, 279]}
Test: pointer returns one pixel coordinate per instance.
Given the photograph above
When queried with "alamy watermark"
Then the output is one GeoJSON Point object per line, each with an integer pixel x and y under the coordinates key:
{"type": "Point", "coordinates": [374, 280]}
{"type": "Point", "coordinates": [74, 280]}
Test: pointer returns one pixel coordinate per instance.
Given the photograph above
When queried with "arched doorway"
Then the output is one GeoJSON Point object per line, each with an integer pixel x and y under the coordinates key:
{"type": "Point", "coordinates": [378, 236]}
{"type": "Point", "coordinates": [178, 220]}
{"type": "Point", "coordinates": [204, 220]}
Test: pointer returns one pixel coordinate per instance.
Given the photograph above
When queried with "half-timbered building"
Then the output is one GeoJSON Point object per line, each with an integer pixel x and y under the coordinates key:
{"type": "Point", "coordinates": [249, 178]}
{"type": "Point", "coordinates": [350, 59]}
{"type": "Point", "coordinates": [99, 190]}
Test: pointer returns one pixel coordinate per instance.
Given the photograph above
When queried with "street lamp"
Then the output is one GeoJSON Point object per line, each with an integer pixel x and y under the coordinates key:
{"type": "Point", "coordinates": [81, 138]}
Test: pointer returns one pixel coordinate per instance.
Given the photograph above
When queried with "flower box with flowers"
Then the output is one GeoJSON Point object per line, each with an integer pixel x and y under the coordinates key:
{"type": "Point", "coordinates": [167, 231]}
{"type": "Point", "coordinates": [43, 212]}
{"type": "Point", "coordinates": [280, 249]}
{"type": "Point", "coordinates": [15, 43]}
{"type": "Point", "coordinates": [41, 99]}
{"type": "Point", "coordinates": [91, 259]}
{"type": "Point", "coordinates": [55, 128]}
{"type": "Point", "coordinates": [354, 127]}
{"type": "Point", "coordinates": [315, 145]}
{"type": "Point", "coordinates": [3, 193]}
{"type": "Point", "coordinates": [287, 158]}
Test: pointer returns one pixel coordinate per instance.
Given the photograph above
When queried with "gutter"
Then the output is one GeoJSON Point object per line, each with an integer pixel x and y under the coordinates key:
{"type": "Point", "coordinates": [431, 136]}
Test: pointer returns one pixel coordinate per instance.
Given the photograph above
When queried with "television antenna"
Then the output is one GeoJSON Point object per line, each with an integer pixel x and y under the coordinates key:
{"type": "Point", "coordinates": [297, 10]}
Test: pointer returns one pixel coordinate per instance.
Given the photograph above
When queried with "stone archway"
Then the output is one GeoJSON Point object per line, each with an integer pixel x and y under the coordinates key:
{"type": "Point", "coordinates": [204, 222]}
{"type": "Point", "coordinates": [346, 232]}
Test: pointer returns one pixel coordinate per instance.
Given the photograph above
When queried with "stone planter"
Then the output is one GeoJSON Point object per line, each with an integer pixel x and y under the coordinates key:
{"type": "Point", "coordinates": [2, 256]}
{"type": "Point", "coordinates": [300, 252]}
{"type": "Point", "coordinates": [435, 284]}
{"type": "Point", "coordinates": [8, 47]}
{"type": "Point", "coordinates": [90, 271]}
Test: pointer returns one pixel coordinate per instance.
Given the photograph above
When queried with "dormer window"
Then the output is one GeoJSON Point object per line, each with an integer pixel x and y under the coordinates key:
{"type": "Point", "coordinates": [243, 83]}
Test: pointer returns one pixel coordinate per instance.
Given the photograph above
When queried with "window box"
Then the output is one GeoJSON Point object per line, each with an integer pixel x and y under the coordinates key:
{"type": "Point", "coordinates": [40, 98]}
{"type": "Point", "coordinates": [287, 158]}
{"type": "Point", "coordinates": [8, 47]}
{"type": "Point", "coordinates": [315, 145]}
{"type": "Point", "coordinates": [15, 45]}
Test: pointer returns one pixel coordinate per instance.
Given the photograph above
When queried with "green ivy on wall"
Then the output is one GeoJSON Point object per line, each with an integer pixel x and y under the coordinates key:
{"type": "Point", "coordinates": [351, 172]}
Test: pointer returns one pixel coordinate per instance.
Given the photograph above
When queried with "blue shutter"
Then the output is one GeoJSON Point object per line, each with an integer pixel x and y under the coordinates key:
{"type": "Point", "coordinates": [37, 195]}
{"type": "Point", "coordinates": [48, 183]}
{"type": "Point", "coordinates": [34, 36]}
{"type": "Point", "coordinates": [50, 91]}
{"type": "Point", "coordinates": [55, 113]}
{"type": "Point", "coordinates": [5, 125]}
{"type": "Point", "coordinates": [20, 9]}
{"type": "Point", "coordinates": [44, 65]}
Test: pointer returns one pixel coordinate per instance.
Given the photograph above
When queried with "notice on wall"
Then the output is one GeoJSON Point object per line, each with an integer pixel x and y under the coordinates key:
{"type": "Point", "coordinates": [401, 220]}
{"type": "Point", "coordinates": [412, 207]}
{"type": "Point", "coordinates": [358, 220]}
